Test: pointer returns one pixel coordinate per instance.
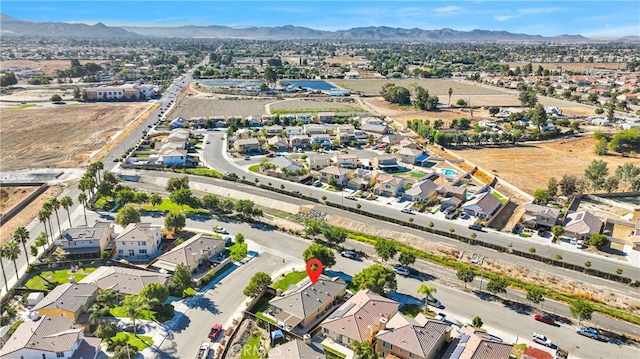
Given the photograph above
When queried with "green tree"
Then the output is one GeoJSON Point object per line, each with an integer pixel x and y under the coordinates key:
{"type": "Point", "coordinates": [239, 237]}
{"type": "Point", "coordinates": [406, 258]}
{"type": "Point", "coordinates": [610, 184]}
{"type": "Point", "coordinates": [334, 235]}
{"type": "Point", "coordinates": [66, 202]}
{"type": "Point", "coordinates": [134, 306]}
{"type": "Point", "coordinates": [181, 197]}
{"type": "Point", "coordinates": [8, 79]}
{"type": "Point", "coordinates": [386, 249]}
{"type": "Point", "coordinates": [332, 181]}
{"type": "Point", "coordinates": [259, 282]}
{"type": "Point", "coordinates": [125, 195]}
{"type": "Point", "coordinates": [320, 252]}
{"type": "Point", "coordinates": [568, 185]}
{"type": "Point", "coordinates": [363, 350]}
{"type": "Point", "coordinates": [538, 116]}
{"type": "Point", "coordinates": [376, 277]}
{"type": "Point", "coordinates": [180, 280]}
{"type": "Point", "coordinates": [528, 98]}
{"type": "Point", "coordinates": [4, 274]}
{"type": "Point", "coordinates": [54, 205]}
{"type": "Point", "coordinates": [155, 200]}
{"type": "Point", "coordinates": [626, 174]}
{"type": "Point", "coordinates": [461, 103]}
{"type": "Point", "coordinates": [596, 173]}
{"type": "Point", "coordinates": [77, 94]}
{"type": "Point", "coordinates": [106, 329]}
{"type": "Point", "coordinates": [312, 227]}
{"type": "Point", "coordinates": [601, 147]}
{"type": "Point", "coordinates": [156, 293]}
{"type": "Point", "coordinates": [21, 235]}
{"type": "Point", "coordinates": [552, 187]}
{"type": "Point", "coordinates": [557, 231]}
{"type": "Point", "coordinates": [125, 352]}
{"type": "Point", "coordinates": [599, 240]}
{"type": "Point", "coordinates": [56, 98]}
{"type": "Point", "coordinates": [477, 322]}
{"type": "Point", "coordinates": [541, 196]}
{"type": "Point", "coordinates": [176, 183]}
{"type": "Point", "coordinates": [466, 275]}
{"type": "Point", "coordinates": [535, 295]}
{"type": "Point", "coordinates": [11, 251]}
{"type": "Point", "coordinates": [140, 197]}
{"type": "Point", "coordinates": [427, 290]}
{"type": "Point", "coordinates": [41, 240]}
{"type": "Point", "coordinates": [270, 75]}
{"type": "Point", "coordinates": [494, 111]}
{"type": "Point", "coordinates": [581, 309]}
{"type": "Point", "coordinates": [211, 202]}
{"type": "Point", "coordinates": [239, 251]}
{"type": "Point", "coordinates": [175, 221]}
{"type": "Point", "coordinates": [126, 215]}
{"type": "Point", "coordinates": [247, 209]}
{"type": "Point", "coordinates": [82, 198]}
{"type": "Point", "coordinates": [497, 285]}
{"type": "Point", "coordinates": [450, 92]}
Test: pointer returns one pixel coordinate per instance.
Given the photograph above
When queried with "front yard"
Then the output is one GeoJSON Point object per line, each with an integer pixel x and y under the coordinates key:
{"type": "Point", "coordinates": [140, 341]}
{"type": "Point", "coordinates": [119, 312]}
{"type": "Point", "coordinates": [48, 280]}
{"type": "Point", "coordinates": [289, 279]}
{"type": "Point", "coordinates": [168, 206]}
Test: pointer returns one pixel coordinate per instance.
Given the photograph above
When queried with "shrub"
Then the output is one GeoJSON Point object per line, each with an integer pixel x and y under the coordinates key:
{"type": "Point", "coordinates": [532, 250]}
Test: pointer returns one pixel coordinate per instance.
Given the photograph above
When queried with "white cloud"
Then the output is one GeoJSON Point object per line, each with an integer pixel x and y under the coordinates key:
{"type": "Point", "coordinates": [447, 9]}
{"type": "Point", "coordinates": [540, 10]}
{"type": "Point", "coordinates": [501, 18]}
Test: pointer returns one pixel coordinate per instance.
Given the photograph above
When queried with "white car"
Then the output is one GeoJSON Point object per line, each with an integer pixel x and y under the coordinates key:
{"type": "Point", "coordinates": [220, 230]}
{"type": "Point", "coordinates": [541, 339]}
{"type": "Point", "coordinates": [406, 210]}
{"type": "Point", "coordinates": [404, 271]}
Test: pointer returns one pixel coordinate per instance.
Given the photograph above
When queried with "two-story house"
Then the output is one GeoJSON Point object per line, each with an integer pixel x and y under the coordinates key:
{"type": "Point", "coordinates": [174, 157]}
{"type": "Point", "coordinates": [195, 253]}
{"type": "Point", "coordinates": [124, 280]}
{"type": "Point", "coordinates": [536, 216]}
{"type": "Point", "coordinates": [582, 225]}
{"type": "Point", "coordinates": [277, 143]}
{"type": "Point", "coordinates": [362, 179]}
{"type": "Point", "coordinates": [345, 133]}
{"type": "Point", "coordinates": [304, 117]}
{"type": "Point", "coordinates": [50, 338]}
{"type": "Point", "coordinates": [69, 300]}
{"type": "Point", "coordinates": [346, 160]}
{"type": "Point", "coordinates": [419, 338]}
{"type": "Point", "coordinates": [420, 191]}
{"type": "Point", "coordinates": [389, 186]}
{"type": "Point", "coordinates": [247, 145]}
{"type": "Point", "coordinates": [387, 163]}
{"type": "Point", "coordinates": [314, 129]}
{"type": "Point", "coordinates": [138, 242]}
{"type": "Point", "coordinates": [300, 141]}
{"type": "Point", "coordinates": [471, 343]}
{"type": "Point", "coordinates": [412, 156]}
{"type": "Point", "coordinates": [274, 130]}
{"type": "Point", "coordinates": [326, 117]}
{"type": "Point", "coordinates": [482, 205]}
{"type": "Point", "coordinates": [85, 241]}
{"type": "Point", "coordinates": [293, 131]}
{"type": "Point", "coordinates": [340, 174]}
{"type": "Point", "coordinates": [317, 161]}
{"type": "Point", "coordinates": [324, 140]}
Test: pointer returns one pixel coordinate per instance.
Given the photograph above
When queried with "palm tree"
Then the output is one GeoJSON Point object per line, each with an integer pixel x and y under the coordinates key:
{"type": "Point", "coordinates": [41, 240]}
{"type": "Point", "coordinates": [450, 93]}
{"type": "Point", "coordinates": [21, 235]}
{"type": "Point", "coordinates": [134, 306]}
{"type": "Point", "coordinates": [428, 291]}
{"type": "Point", "coordinates": [66, 202]}
{"type": "Point", "coordinates": [48, 206]}
{"type": "Point", "coordinates": [99, 167]}
{"type": "Point", "coordinates": [12, 252]}
{"type": "Point", "coordinates": [4, 275]}
{"type": "Point", "coordinates": [55, 205]}
{"type": "Point", "coordinates": [97, 311]}
{"type": "Point", "coordinates": [82, 184]}
{"type": "Point", "coordinates": [82, 198]}
{"type": "Point", "coordinates": [43, 215]}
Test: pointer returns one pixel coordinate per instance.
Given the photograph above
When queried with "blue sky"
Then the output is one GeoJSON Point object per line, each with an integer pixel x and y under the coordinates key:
{"type": "Point", "coordinates": [590, 18]}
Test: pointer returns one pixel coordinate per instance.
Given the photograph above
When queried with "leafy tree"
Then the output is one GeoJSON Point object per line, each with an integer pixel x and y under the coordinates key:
{"type": "Point", "coordinates": [493, 111]}
{"type": "Point", "coordinates": [600, 148]}
{"type": "Point", "coordinates": [461, 103]}
{"type": "Point", "coordinates": [41, 240]}
{"type": "Point", "coordinates": [386, 249]}
{"type": "Point", "coordinates": [320, 252]}
{"type": "Point", "coordinates": [376, 277]}
{"type": "Point", "coordinates": [125, 352]}
{"type": "Point", "coordinates": [332, 181]}
{"type": "Point", "coordinates": [259, 282]}
{"type": "Point", "coordinates": [175, 221]}
{"type": "Point", "coordinates": [156, 293]}
{"type": "Point", "coordinates": [477, 322]}
{"type": "Point", "coordinates": [21, 235]}
{"type": "Point", "coordinates": [247, 209]}
{"type": "Point", "coordinates": [270, 75]}
{"type": "Point", "coordinates": [528, 98]}
{"type": "Point", "coordinates": [56, 98]}
{"type": "Point", "coordinates": [596, 173]}
{"type": "Point", "coordinates": [180, 280]}
{"type": "Point", "coordinates": [239, 237]}
{"type": "Point", "coordinates": [181, 197]}
{"type": "Point", "coordinates": [541, 196]}
{"type": "Point", "coordinates": [239, 251]}
{"type": "Point", "coordinates": [535, 295]}
{"type": "Point", "coordinates": [176, 183]}
{"type": "Point", "coordinates": [568, 185]}
{"type": "Point", "coordinates": [140, 197]}
{"type": "Point", "coordinates": [611, 184]}
{"type": "Point", "coordinates": [126, 215]}
{"type": "Point", "coordinates": [335, 235]}
{"type": "Point", "coordinates": [552, 187]}
{"type": "Point", "coordinates": [581, 309]}
{"type": "Point", "coordinates": [106, 329]}
{"type": "Point", "coordinates": [210, 202]}
{"type": "Point", "coordinates": [466, 275]}
{"type": "Point", "coordinates": [312, 227]}
{"type": "Point", "coordinates": [497, 285]}
{"type": "Point", "coordinates": [155, 200]}
{"type": "Point", "coordinates": [8, 79]}
{"type": "Point", "coordinates": [363, 350]}
{"type": "Point", "coordinates": [396, 94]}
{"type": "Point", "coordinates": [557, 231]}
{"type": "Point", "coordinates": [626, 141]}
{"type": "Point", "coordinates": [125, 195]}
{"type": "Point", "coordinates": [406, 258]}
{"type": "Point", "coordinates": [626, 174]}
{"type": "Point", "coordinates": [538, 116]}
{"type": "Point", "coordinates": [599, 240]}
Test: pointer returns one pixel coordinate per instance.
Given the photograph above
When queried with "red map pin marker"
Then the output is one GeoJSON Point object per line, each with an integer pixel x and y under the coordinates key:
{"type": "Point", "coordinates": [314, 274]}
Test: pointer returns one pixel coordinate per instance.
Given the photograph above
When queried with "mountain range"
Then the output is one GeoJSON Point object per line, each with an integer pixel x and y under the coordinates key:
{"type": "Point", "coordinates": [14, 27]}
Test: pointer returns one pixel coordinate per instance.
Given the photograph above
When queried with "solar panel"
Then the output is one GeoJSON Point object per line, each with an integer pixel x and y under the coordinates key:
{"type": "Point", "coordinates": [464, 337]}
{"type": "Point", "coordinates": [456, 353]}
{"type": "Point", "coordinates": [341, 312]}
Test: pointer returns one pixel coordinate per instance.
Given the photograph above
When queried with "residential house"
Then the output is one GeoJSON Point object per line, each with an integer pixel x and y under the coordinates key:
{"type": "Point", "coordinates": [285, 164]}
{"type": "Point", "coordinates": [389, 186]}
{"type": "Point", "coordinates": [304, 117]}
{"type": "Point", "coordinates": [123, 280]}
{"type": "Point", "coordinates": [84, 241]}
{"type": "Point", "coordinates": [412, 156]}
{"type": "Point", "coordinates": [340, 174]}
{"type": "Point", "coordinates": [293, 131]}
{"type": "Point", "coordinates": [387, 163]}
{"type": "Point", "coordinates": [196, 252]}
{"type": "Point", "coordinates": [253, 121]}
{"type": "Point", "coordinates": [452, 191]}
{"type": "Point", "coordinates": [392, 140]}
{"type": "Point", "coordinates": [536, 216]}
{"type": "Point", "coordinates": [247, 145]}
{"type": "Point", "coordinates": [345, 160]}
{"type": "Point", "coordinates": [318, 161]}
{"type": "Point", "coordinates": [345, 133]}
{"type": "Point", "coordinates": [300, 141]}
{"type": "Point", "coordinates": [359, 318]}
{"type": "Point", "coordinates": [305, 303]}
{"type": "Point", "coordinates": [277, 143]}
{"type": "Point", "coordinates": [448, 202]}
{"type": "Point", "coordinates": [419, 337]}
{"type": "Point", "coordinates": [362, 179]}
{"type": "Point", "coordinates": [326, 117]}
{"type": "Point", "coordinates": [470, 343]}
{"type": "Point", "coordinates": [420, 191]}
{"type": "Point", "coordinates": [482, 205]}
{"type": "Point", "coordinates": [371, 121]}
{"type": "Point", "coordinates": [138, 242]}
{"type": "Point", "coordinates": [197, 122]}
{"type": "Point", "coordinates": [177, 122]}
{"type": "Point", "coordinates": [314, 129]}
{"type": "Point", "coordinates": [375, 129]}
{"type": "Point", "coordinates": [324, 140]}
{"type": "Point", "coordinates": [582, 225]}
{"type": "Point", "coordinates": [267, 119]}
{"type": "Point", "coordinates": [69, 300]}
{"type": "Point", "coordinates": [296, 349]}
{"type": "Point", "coordinates": [50, 337]}
{"type": "Point", "coordinates": [361, 136]}
{"type": "Point", "coordinates": [274, 130]}
{"type": "Point", "coordinates": [174, 157]}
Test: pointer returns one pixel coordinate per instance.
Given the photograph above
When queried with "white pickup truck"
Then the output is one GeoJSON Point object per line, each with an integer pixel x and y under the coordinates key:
{"type": "Point", "coordinates": [203, 352]}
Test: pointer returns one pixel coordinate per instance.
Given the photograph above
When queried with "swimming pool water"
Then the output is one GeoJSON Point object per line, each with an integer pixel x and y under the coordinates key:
{"type": "Point", "coordinates": [312, 84]}
{"type": "Point", "coordinates": [230, 83]}
{"type": "Point", "coordinates": [449, 172]}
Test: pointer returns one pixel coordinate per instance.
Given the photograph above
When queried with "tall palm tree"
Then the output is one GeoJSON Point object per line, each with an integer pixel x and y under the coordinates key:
{"type": "Point", "coordinates": [97, 311]}
{"type": "Point", "coordinates": [43, 215]}
{"type": "Point", "coordinates": [134, 306]}
{"type": "Point", "coordinates": [4, 274]}
{"type": "Point", "coordinates": [42, 240]}
{"type": "Point", "coordinates": [82, 198]}
{"type": "Point", "coordinates": [91, 184]}
{"type": "Point", "coordinates": [99, 167]}
{"type": "Point", "coordinates": [66, 202]}
{"type": "Point", "coordinates": [83, 185]}
{"type": "Point", "coordinates": [49, 207]}
{"type": "Point", "coordinates": [55, 205]}
{"type": "Point", "coordinates": [12, 252]}
{"type": "Point", "coordinates": [107, 297]}
{"type": "Point", "coordinates": [21, 235]}
{"type": "Point", "coordinates": [428, 291]}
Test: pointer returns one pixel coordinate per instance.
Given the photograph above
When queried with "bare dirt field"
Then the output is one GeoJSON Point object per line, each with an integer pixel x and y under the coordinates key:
{"type": "Point", "coordinates": [573, 66]}
{"type": "Point", "coordinates": [10, 196]}
{"type": "Point", "coordinates": [529, 166]}
{"type": "Point", "coordinates": [49, 67]}
{"type": "Point", "coordinates": [330, 104]}
{"type": "Point", "coordinates": [28, 214]}
{"type": "Point", "coordinates": [202, 106]}
{"type": "Point", "coordinates": [438, 87]}
{"type": "Point", "coordinates": [62, 136]}
{"type": "Point", "coordinates": [41, 93]}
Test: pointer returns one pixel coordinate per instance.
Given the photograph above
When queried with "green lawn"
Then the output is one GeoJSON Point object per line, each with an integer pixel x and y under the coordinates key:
{"type": "Point", "coordinates": [48, 280]}
{"type": "Point", "coordinates": [289, 279]}
{"type": "Point", "coordinates": [201, 171]}
{"type": "Point", "coordinates": [22, 107]}
{"type": "Point", "coordinates": [410, 310]}
{"type": "Point", "coordinates": [518, 350]}
{"type": "Point", "coordinates": [143, 155]}
{"type": "Point", "coordinates": [140, 342]}
{"type": "Point", "coordinates": [254, 168]}
{"type": "Point", "coordinates": [418, 174]}
{"type": "Point", "coordinates": [119, 312]}
{"type": "Point", "coordinates": [261, 306]}
{"type": "Point", "coordinates": [104, 202]}
{"type": "Point", "coordinates": [250, 350]}
{"type": "Point", "coordinates": [498, 196]}
{"type": "Point", "coordinates": [168, 206]}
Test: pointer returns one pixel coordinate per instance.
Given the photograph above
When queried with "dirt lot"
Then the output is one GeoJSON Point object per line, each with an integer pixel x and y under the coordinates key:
{"type": "Point", "coordinates": [529, 166]}
{"type": "Point", "coordinates": [48, 66]}
{"type": "Point", "coordinates": [62, 137]}
{"type": "Point", "coordinates": [29, 213]}
{"type": "Point", "coordinates": [438, 87]}
{"type": "Point", "coordinates": [330, 104]}
{"type": "Point", "coordinates": [10, 196]}
{"type": "Point", "coordinates": [202, 106]}
{"type": "Point", "coordinates": [32, 93]}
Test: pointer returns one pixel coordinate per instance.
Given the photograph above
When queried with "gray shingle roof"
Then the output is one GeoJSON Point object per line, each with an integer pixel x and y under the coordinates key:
{"type": "Point", "coordinates": [50, 334]}
{"type": "Point", "coordinates": [296, 349]}
{"type": "Point", "coordinates": [190, 252]}
{"type": "Point", "coordinates": [582, 223]}
{"type": "Point", "coordinates": [123, 280]}
{"type": "Point", "coordinates": [422, 189]}
{"type": "Point", "coordinates": [68, 296]}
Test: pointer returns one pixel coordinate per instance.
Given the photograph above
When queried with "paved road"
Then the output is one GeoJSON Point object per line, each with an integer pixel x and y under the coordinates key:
{"type": "Point", "coordinates": [273, 247]}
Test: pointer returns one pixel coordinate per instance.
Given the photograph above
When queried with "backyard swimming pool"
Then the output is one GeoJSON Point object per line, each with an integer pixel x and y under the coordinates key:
{"type": "Point", "coordinates": [241, 83]}
{"type": "Point", "coordinates": [312, 84]}
{"type": "Point", "coordinates": [448, 172]}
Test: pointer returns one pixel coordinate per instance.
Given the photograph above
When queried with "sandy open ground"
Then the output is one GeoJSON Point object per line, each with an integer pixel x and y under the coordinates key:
{"type": "Point", "coordinates": [49, 67]}
{"type": "Point", "coordinates": [330, 104]}
{"type": "Point", "coordinates": [10, 196]}
{"type": "Point", "coordinates": [438, 87]}
{"type": "Point", "coordinates": [202, 106]}
{"type": "Point", "coordinates": [529, 166]}
{"type": "Point", "coordinates": [60, 136]}
{"type": "Point", "coordinates": [29, 213]}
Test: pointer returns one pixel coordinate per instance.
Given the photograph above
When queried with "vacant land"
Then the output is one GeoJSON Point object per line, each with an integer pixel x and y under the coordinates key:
{"type": "Point", "coordinates": [529, 166]}
{"type": "Point", "coordinates": [438, 87]}
{"type": "Point", "coordinates": [573, 66]}
{"type": "Point", "coordinates": [202, 106]}
{"type": "Point", "coordinates": [49, 67]}
{"type": "Point", "coordinates": [40, 93]}
{"type": "Point", "coordinates": [39, 137]}
{"type": "Point", "coordinates": [24, 217]}
{"type": "Point", "coordinates": [314, 105]}
{"type": "Point", "coordinates": [10, 196]}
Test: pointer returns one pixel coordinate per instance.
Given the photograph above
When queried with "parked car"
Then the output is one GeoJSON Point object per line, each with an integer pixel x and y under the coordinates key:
{"type": "Point", "coordinates": [220, 230]}
{"type": "Point", "coordinates": [475, 227]}
{"type": "Point", "coordinates": [451, 215]}
{"type": "Point", "coordinates": [215, 331]}
{"type": "Point", "coordinates": [589, 332]}
{"type": "Point", "coordinates": [247, 158]}
{"type": "Point", "coordinates": [270, 154]}
{"type": "Point", "coordinates": [432, 301]}
{"type": "Point", "coordinates": [351, 198]}
{"type": "Point", "coordinates": [298, 193]}
{"type": "Point", "coordinates": [406, 210]}
{"type": "Point", "coordinates": [317, 184]}
{"type": "Point", "coordinates": [401, 270]}
{"type": "Point", "coordinates": [545, 318]}
{"type": "Point", "coordinates": [129, 328]}
{"type": "Point", "coordinates": [541, 339]}
{"type": "Point", "coordinates": [350, 254]}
